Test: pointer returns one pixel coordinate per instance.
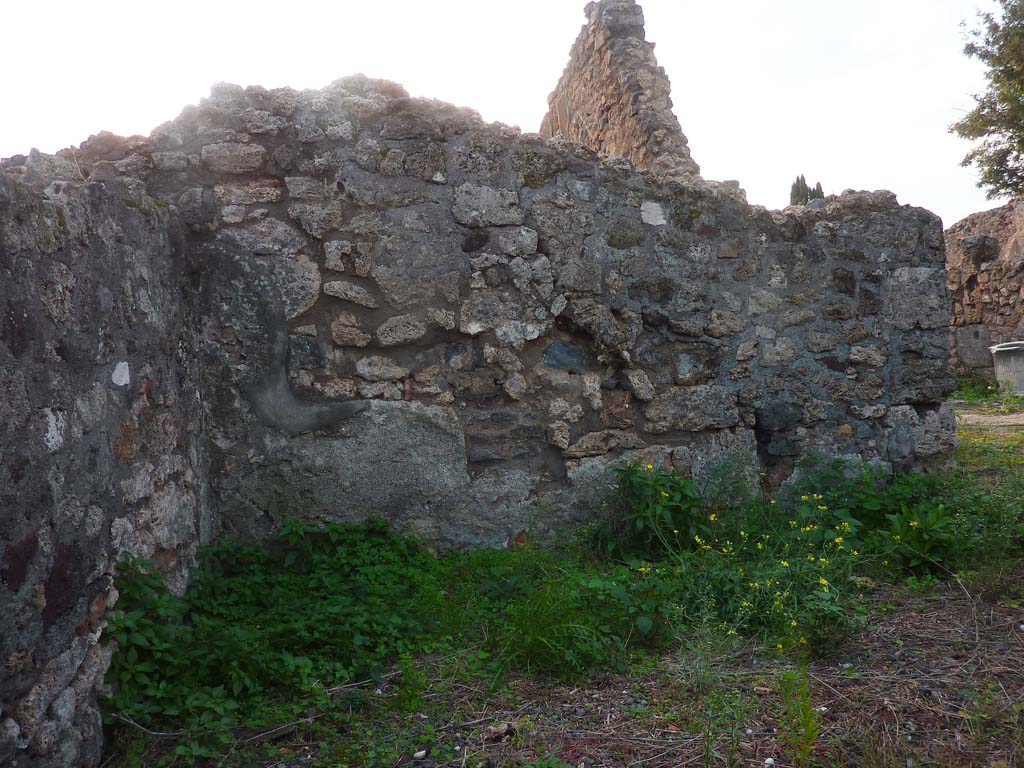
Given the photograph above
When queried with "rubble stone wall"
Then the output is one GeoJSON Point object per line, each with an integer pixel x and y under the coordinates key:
{"type": "Point", "coordinates": [408, 313]}
{"type": "Point", "coordinates": [613, 96]}
{"type": "Point", "coordinates": [985, 260]}
{"type": "Point", "coordinates": [99, 458]}
{"type": "Point", "coordinates": [336, 304]}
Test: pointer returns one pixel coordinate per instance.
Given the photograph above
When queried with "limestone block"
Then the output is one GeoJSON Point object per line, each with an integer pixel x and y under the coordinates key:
{"type": "Point", "coordinates": [234, 157]}
{"type": "Point", "coordinates": [692, 409]}
{"type": "Point", "coordinates": [377, 368]}
{"type": "Point", "coordinates": [346, 332]}
{"type": "Point", "coordinates": [481, 206]}
{"type": "Point", "coordinates": [400, 330]}
{"type": "Point", "coordinates": [350, 292]}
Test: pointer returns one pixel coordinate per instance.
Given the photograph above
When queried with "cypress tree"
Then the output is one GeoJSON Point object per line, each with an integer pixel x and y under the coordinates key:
{"type": "Point", "coordinates": [801, 194]}
{"type": "Point", "coordinates": [798, 192]}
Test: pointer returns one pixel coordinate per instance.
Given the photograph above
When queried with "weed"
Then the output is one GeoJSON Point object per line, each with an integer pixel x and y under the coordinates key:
{"type": "Point", "coordinates": [549, 761]}
{"type": "Point", "coordinates": [800, 724]}
{"type": "Point", "coordinates": [660, 513]}
{"type": "Point", "coordinates": [988, 394]}
{"type": "Point", "coordinates": [413, 683]}
{"type": "Point", "coordinates": [267, 635]}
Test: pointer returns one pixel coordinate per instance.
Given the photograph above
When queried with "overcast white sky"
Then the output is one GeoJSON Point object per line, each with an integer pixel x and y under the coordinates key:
{"type": "Point", "coordinates": [855, 94]}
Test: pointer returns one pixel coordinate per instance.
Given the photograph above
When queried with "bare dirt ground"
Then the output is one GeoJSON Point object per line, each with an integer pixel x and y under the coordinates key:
{"type": "Point", "coordinates": [975, 419]}
{"type": "Point", "coordinates": [939, 680]}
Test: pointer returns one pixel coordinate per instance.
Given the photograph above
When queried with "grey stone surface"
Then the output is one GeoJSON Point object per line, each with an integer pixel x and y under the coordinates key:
{"type": "Point", "coordinates": [566, 357]}
{"type": "Point", "coordinates": [233, 157]}
{"type": "Point", "coordinates": [692, 409]}
{"type": "Point", "coordinates": [513, 318]}
{"type": "Point", "coordinates": [481, 206]}
{"type": "Point", "coordinates": [355, 294]}
{"type": "Point", "coordinates": [402, 329]}
{"type": "Point", "coordinates": [100, 423]}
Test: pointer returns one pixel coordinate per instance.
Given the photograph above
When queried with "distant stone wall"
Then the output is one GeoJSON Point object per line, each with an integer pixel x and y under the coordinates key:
{"type": "Point", "coordinates": [613, 96]}
{"type": "Point", "coordinates": [985, 261]}
{"type": "Point", "coordinates": [100, 449]}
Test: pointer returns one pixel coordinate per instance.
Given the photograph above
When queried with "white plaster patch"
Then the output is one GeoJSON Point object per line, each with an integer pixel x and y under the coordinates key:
{"type": "Point", "coordinates": [56, 425]}
{"type": "Point", "coordinates": [652, 213]}
{"type": "Point", "coordinates": [121, 375]}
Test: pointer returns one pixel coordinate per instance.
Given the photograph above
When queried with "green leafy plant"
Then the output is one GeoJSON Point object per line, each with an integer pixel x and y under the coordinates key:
{"type": "Point", "coordinates": [925, 537]}
{"type": "Point", "coordinates": [800, 722]}
{"type": "Point", "coordinates": [997, 120]}
{"type": "Point", "coordinates": [659, 513]}
{"type": "Point", "coordinates": [316, 608]}
{"type": "Point", "coordinates": [549, 761]}
{"type": "Point", "coordinates": [267, 634]}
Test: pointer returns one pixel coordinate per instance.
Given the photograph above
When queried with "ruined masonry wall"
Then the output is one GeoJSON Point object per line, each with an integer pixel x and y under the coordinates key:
{"type": "Point", "coordinates": [341, 303]}
{"type": "Point", "coordinates": [985, 260]}
{"type": "Point", "coordinates": [101, 455]}
{"type": "Point", "coordinates": [615, 99]}
{"type": "Point", "coordinates": [411, 314]}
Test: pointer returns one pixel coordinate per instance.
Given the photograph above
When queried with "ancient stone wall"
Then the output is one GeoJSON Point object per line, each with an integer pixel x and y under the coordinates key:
{"type": "Point", "coordinates": [99, 413]}
{"type": "Point", "coordinates": [411, 314]}
{"type": "Point", "coordinates": [341, 303]}
{"type": "Point", "coordinates": [613, 96]}
{"type": "Point", "coordinates": [985, 261]}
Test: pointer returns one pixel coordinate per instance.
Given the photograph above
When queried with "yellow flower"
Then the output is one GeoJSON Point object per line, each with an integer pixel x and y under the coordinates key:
{"type": "Point", "coordinates": [823, 508]}
{"type": "Point", "coordinates": [713, 517]}
{"type": "Point", "coordinates": [805, 498]}
{"type": "Point", "coordinates": [854, 552]}
{"type": "Point", "coordinates": [675, 531]}
{"type": "Point", "coordinates": [650, 467]}
{"type": "Point", "coordinates": [823, 581]}
{"type": "Point", "coordinates": [803, 641]}
{"type": "Point", "coordinates": [760, 546]}
{"type": "Point", "coordinates": [785, 563]}
{"type": "Point", "coordinates": [664, 494]}
{"type": "Point", "coordinates": [840, 539]}
{"type": "Point", "coordinates": [914, 524]}
{"type": "Point", "coordinates": [792, 623]}
{"type": "Point", "coordinates": [896, 537]}
{"type": "Point", "coordinates": [792, 523]}
{"type": "Point", "coordinates": [778, 647]}
{"type": "Point", "coordinates": [731, 632]}
{"type": "Point", "coordinates": [773, 502]}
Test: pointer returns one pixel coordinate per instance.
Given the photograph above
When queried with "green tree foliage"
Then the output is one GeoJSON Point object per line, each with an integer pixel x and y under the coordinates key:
{"type": "Point", "coordinates": [798, 194]}
{"type": "Point", "coordinates": [801, 194]}
{"type": "Point", "coordinates": [997, 120]}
